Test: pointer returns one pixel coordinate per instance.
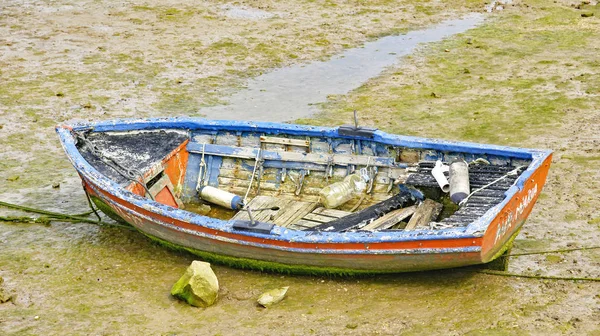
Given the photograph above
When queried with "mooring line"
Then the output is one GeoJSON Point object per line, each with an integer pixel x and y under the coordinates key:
{"type": "Point", "coordinates": [544, 277]}
{"type": "Point", "coordinates": [554, 251]}
{"type": "Point", "coordinates": [55, 216]}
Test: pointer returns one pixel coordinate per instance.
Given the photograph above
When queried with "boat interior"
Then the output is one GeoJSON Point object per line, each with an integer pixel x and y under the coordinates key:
{"type": "Point", "coordinates": [280, 179]}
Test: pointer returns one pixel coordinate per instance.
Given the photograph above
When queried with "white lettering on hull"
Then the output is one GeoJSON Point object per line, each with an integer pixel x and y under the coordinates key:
{"type": "Point", "coordinates": [512, 216]}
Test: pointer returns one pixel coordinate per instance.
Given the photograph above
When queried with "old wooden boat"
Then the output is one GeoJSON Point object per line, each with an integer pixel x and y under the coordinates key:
{"type": "Point", "coordinates": [250, 194]}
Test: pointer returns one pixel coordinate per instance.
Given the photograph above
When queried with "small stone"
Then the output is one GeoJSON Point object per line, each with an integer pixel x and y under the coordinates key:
{"type": "Point", "coordinates": [87, 105]}
{"type": "Point", "coordinates": [56, 185]}
{"type": "Point", "coordinates": [585, 15]}
{"type": "Point", "coordinates": [469, 41]}
{"type": "Point", "coordinates": [435, 95]}
{"type": "Point", "coordinates": [5, 296]}
{"type": "Point", "coordinates": [60, 94]}
{"type": "Point", "coordinates": [36, 317]}
{"type": "Point", "coordinates": [272, 297]}
{"type": "Point", "coordinates": [198, 286]}
{"type": "Point", "coordinates": [447, 50]}
{"type": "Point", "coordinates": [352, 325]}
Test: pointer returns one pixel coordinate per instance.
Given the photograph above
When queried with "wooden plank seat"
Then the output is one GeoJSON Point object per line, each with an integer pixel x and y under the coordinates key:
{"type": "Point", "coordinates": [290, 211]}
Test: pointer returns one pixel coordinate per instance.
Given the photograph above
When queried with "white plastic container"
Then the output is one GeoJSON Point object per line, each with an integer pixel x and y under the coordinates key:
{"type": "Point", "coordinates": [438, 174]}
{"type": "Point", "coordinates": [459, 181]}
{"type": "Point", "coordinates": [339, 193]}
{"type": "Point", "coordinates": [221, 197]}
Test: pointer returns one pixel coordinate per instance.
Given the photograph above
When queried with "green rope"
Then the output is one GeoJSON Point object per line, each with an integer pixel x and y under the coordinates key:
{"type": "Point", "coordinates": [546, 277]}
{"type": "Point", "coordinates": [89, 200]}
{"type": "Point", "coordinates": [53, 216]}
{"type": "Point", "coordinates": [44, 220]}
{"type": "Point", "coordinates": [554, 251]}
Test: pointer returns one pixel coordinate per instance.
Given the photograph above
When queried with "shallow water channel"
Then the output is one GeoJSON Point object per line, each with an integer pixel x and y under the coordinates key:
{"type": "Point", "coordinates": [295, 92]}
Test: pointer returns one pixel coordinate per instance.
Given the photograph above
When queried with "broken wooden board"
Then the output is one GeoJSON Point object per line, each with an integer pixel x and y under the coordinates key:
{"type": "Point", "coordinates": [317, 217]}
{"type": "Point", "coordinates": [390, 219]}
{"type": "Point", "coordinates": [289, 210]}
{"type": "Point", "coordinates": [427, 211]}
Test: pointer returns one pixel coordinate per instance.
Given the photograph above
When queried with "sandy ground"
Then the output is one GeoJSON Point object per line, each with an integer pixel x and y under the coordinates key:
{"type": "Point", "coordinates": [529, 77]}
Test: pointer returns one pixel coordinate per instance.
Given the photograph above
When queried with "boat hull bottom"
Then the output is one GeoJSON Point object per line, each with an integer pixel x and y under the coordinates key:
{"type": "Point", "coordinates": [239, 256]}
{"type": "Point", "coordinates": [275, 267]}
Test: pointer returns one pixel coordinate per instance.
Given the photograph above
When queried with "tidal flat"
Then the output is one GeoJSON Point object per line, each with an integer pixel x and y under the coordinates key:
{"type": "Point", "coordinates": [527, 76]}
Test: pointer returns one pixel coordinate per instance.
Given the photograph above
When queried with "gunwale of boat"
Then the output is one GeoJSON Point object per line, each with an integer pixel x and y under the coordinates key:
{"type": "Point", "coordinates": [473, 230]}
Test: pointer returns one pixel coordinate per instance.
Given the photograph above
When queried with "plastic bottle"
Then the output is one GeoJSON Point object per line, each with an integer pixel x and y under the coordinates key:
{"type": "Point", "coordinates": [339, 193]}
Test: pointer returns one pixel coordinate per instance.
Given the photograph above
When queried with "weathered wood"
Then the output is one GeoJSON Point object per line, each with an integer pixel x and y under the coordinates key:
{"type": "Point", "coordinates": [269, 215]}
{"type": "Point", "coordinates": [256, 203]}
{"type": "Point", "coordinates": [289, 211]}
{"type": "Point", "coordinates": [319, 218]}
{"type": "Point", "coordinates": [427, 211]}
{"type": "Point", "coordinates": [390, 219]}
{"type": "Point", "coordinates": [165, 182]}
{"type": "Point", "coordinates": [293, 212]}
{"type": "Point", "coordinates": [285, 141]}
{"type": "Point", "coordinates": [322, 159]}
{"type": "Point", "coordinates": [303, 224]}
{"type": "Point", "coordinates": [331, 212]}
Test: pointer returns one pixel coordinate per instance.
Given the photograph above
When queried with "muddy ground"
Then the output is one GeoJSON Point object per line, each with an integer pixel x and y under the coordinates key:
{"type": "Point", "coordinates": [527, 77]}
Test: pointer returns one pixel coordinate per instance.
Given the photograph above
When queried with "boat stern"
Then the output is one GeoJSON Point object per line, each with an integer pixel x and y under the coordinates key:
{"type": "Point", "coordinates": [505, 226]}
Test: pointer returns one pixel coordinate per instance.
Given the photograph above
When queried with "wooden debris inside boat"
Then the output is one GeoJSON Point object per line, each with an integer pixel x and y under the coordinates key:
{"type": "Point", "coordinates": [278, 179]}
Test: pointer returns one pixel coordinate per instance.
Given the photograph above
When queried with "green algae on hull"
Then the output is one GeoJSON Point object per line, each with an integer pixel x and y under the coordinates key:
{"type": "Point", "coordinates": [107, 210]}
{"type": "Point", "coordinates": [266, 266]}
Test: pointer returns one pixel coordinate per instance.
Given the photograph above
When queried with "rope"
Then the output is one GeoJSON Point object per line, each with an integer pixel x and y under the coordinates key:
{"type": "Point", "coordinates": [554, 251]}
{"type": "Point", "coordinates": [546, 277]}
{"type": "Point", "coordinates": [55, 216]}
{"type": "Point", "coordinates": [89, 200]}
{"type": "Point", "coordinates": [252, 177]}
{"type": "Point", "coordinates": [510, 173]}
{"type": "Point", "coordinates": [202, 175]}
{"type": "Point", "coordinates": [44, 220]}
